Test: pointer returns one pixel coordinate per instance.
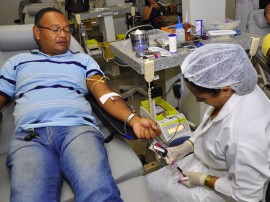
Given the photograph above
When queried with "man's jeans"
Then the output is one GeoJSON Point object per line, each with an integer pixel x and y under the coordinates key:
{"type": "Point", "coordinates": [76, 153]}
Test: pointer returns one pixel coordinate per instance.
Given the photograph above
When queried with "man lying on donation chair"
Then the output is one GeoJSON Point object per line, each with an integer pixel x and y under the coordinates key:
{"type": "Point", "coordinates": [56, 135]}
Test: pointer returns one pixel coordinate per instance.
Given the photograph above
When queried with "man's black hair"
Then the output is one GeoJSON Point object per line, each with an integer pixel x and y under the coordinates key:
{"type": "Point", "coordinates": [42, 12]}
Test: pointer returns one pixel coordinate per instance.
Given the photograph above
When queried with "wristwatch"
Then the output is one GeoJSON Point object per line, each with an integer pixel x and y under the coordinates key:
{"type": "Point", "coordinates": [209, 183]}
{"type": "Point", "coordinates": [130, 116]}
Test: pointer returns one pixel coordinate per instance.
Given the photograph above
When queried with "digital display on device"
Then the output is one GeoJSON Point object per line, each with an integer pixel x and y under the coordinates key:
{"type": "Point", "coordinates": [173, 130]}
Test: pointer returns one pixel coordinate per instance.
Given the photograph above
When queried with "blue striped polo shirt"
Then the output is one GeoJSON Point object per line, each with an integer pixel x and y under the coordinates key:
{"type": "Point", "coordinates": [49, 90]}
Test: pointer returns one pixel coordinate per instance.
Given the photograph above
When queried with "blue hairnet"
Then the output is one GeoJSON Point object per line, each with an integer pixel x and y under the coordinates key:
{"type": "Point", "coordinates": [217, 65]}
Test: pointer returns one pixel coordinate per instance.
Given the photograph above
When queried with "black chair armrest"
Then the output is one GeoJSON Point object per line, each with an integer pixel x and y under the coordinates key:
{"type": "Point", "coordinates": [263, 62]}
{"type": "Point", "coordinates": [115, 126]}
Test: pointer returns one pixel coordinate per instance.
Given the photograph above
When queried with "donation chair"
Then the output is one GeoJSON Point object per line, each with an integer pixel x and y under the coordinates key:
{"type": "Point", "coordinates": [125, 165]}
{"type": "Point", "coordinates": [263, 69]}
{"type": "Point", "coordinates": [31, 10]}
{"type": "Point", "coordinates": [22, 4]}
{"type": "Point", "coordinates": [266, 196]}
{"type": "Point", "coordinates": [256, 24]}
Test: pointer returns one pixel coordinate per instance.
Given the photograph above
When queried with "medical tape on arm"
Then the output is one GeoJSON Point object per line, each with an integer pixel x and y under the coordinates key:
{"type": "Point", "coordinates": [106, 96]}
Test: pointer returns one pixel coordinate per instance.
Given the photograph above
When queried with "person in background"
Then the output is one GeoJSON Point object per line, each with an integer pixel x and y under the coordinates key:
{"type": "Point", "coordinates": [56, 134]}
{"type": "Point", "coordinates": [242, 10]}
{"type": "Point", "coordinates": [152, 14]}
{"type": "Point", "coordinates": [141, 3]}
{"type": "Point", "coordinates": [229, 152]}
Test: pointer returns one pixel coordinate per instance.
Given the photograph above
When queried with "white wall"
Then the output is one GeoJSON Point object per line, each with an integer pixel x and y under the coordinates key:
{"type": "Point", "coordinates": [8, 11]}
{"type": "Point", "coordinates": [206, 10]}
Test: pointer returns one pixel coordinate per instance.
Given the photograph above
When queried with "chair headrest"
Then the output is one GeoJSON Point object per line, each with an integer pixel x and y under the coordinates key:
{"type": "Point", "coordinates": [32, 9]}
{"type": "Point", "coordinates": [17, 37]}
{"type": "Point", "coordinates": [260, 20]}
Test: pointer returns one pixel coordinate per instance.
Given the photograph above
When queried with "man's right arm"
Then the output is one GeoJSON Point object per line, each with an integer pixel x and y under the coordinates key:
{"type": "Point", "coordinates": [3, 101]}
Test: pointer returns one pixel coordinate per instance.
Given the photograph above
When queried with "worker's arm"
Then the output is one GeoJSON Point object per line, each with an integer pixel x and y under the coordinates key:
{"type": "Point", "coordinates": [142, 127]}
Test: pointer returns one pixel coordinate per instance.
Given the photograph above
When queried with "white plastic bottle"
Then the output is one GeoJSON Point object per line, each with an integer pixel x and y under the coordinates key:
{"type": "Point", "coordinates": [180, 32]}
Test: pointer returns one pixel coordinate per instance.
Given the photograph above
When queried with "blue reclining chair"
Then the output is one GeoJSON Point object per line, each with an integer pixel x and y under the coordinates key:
{"type": "Point", "coordinates": [257, 26]}
{"type": "Point", "coordinates": [126, 167]}
{"type": "Point", "coordinates": [263, 72]}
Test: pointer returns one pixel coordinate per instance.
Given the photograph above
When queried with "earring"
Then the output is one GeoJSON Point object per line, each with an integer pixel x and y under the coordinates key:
{"type": "Point", "coordinates": [227, 95]}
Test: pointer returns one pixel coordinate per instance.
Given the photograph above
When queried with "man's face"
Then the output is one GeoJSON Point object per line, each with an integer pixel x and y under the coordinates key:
{"type": "Point", "coordinates": [52, 43]}
{"type": "Point", "coordinates": [267, 12]}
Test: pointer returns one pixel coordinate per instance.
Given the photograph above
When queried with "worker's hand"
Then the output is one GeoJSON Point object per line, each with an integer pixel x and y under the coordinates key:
{"type": "Point", "coordinates": [145, 128]}
{"type": "Point", "coordinates": [178, 152]}
{"type": "Point", "coordinates": [192, 179]}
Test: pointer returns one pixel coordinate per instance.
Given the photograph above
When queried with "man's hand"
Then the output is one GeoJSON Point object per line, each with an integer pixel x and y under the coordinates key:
{"type": "Point", "coordinates": [144, 127]}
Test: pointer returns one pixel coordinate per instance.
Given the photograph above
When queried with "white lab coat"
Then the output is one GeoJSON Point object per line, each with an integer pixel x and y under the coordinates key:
{"type": "Point", "coordinates": [235, 146]}
{"type": "Point", "coordinates": [242, 10]}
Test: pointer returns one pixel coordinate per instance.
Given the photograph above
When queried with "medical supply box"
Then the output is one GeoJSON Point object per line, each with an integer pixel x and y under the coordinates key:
{"type": "Point", "coordinates": [217, 25]}
{"type": "Point", "coordinates": [172, 124]}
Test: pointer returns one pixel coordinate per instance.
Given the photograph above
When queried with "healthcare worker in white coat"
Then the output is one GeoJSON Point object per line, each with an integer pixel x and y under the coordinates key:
{"type": "Point", "coordinates": [229, 152]}
{"type": "Point", "coordinates": [242, 10]}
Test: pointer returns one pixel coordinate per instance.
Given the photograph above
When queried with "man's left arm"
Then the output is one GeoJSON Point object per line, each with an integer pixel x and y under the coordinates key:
{"type": "Point", "coordinates": [115, 106]}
